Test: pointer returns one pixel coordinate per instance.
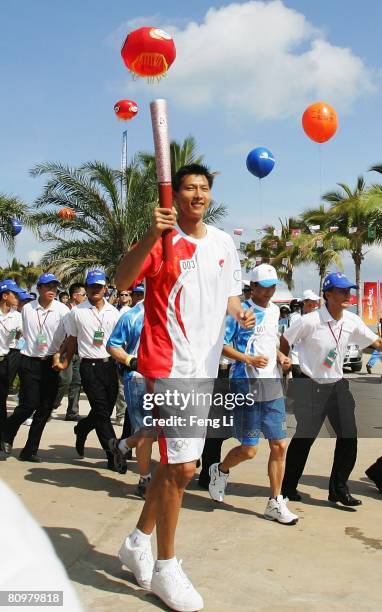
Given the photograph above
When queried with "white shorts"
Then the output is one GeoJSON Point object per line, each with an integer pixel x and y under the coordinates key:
{"type": "Point", "coordinates": [176, 404]}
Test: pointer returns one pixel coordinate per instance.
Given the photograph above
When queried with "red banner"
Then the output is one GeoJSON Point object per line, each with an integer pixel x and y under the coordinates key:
{"type": "Point", "coordinates": [370, 303]}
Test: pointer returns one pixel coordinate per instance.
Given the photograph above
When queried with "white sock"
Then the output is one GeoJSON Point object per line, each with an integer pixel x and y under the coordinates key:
{"type": "Point", "coordinates": [138, 538]}
{"type": "Point", "coordinates": [123, 446]}
{"type": "Point", "coordinates": [161, 564]}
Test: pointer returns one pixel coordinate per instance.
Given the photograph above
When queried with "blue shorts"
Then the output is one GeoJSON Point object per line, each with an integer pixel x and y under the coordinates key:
{"type": "Point", "coordinates": [135, 388]}
{"type": "Point", "coordinates": [267, 418]}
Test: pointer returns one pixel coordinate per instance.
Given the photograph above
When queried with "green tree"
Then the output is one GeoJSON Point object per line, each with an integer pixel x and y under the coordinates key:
{"type": "Point", "coordinates": [25, 275]}
{"type": "Point", "coordinates": [112, 211]}
{"type": "Point", "coordinates": [323, 246]}
{"type": "Point", "coordinates": [14, 270]}
{"type": "Point", "coordinates": [182, 154]}
{"type": "Point", "coordinates": [354, 209]}
{"type": "Point", "coordinates": [12, 208]}
{"type": "Point", "coordinates": [283, 252]}
{"type": "Point", "coordinates": [31, 272]}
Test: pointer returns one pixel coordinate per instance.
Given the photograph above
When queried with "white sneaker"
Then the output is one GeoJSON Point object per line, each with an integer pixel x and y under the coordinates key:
{"type": "Point", "coordinates": [28, 422]}
{"type": "Point", "coordinates": [173, 587]}
{"type": "Point", "coordinates": [139, 560]}
{"type": "Point", "coordinates": [277, 510]}
{"type": "Point", "coordinates": [218, 483]}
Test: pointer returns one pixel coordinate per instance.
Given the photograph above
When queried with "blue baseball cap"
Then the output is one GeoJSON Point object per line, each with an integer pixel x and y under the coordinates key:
{"type": "Point", "coordinates": [138, 289]}
{"type": "Point", "coordinates": [9, 285]}
{"type": "Point", "coordinates": [96, 277]}
{"type": "Point", "coordinates": [339, 280]}
{"type": "Point", "coordinates": [24, 295]}
{"type": "Point", "coordinates": [46, 278]}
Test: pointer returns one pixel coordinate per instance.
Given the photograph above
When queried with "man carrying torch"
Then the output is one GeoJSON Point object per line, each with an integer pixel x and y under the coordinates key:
{"type": "Point", "coordinates": [182, 338]}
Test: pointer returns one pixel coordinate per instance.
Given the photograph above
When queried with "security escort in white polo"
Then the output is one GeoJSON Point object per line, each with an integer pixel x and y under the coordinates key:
{"type": "Point", "coordinates": [10, 329]}
{"type": "Point", "coordinates": [323, 336]}
{"type": "Point", "coordinates": [44, 332]}
{"type": "Point", "coordinates": [89, 327]}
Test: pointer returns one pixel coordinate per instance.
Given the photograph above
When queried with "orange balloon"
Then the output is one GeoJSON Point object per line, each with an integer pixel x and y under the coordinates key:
{"type": "Point", "coordinates": [67, 213]}
{"type": "Point", "coordinates": [320, 121]}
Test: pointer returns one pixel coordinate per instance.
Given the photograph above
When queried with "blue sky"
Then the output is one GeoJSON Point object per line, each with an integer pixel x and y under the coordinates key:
{"type": "Point", "coordinates": [243, 76]}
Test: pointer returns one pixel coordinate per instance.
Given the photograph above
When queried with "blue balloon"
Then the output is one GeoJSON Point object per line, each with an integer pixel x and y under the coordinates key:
{"type": "Point", "coordinates": [260, 162]}
{"type": "Point", "coordinates": [16, 226]}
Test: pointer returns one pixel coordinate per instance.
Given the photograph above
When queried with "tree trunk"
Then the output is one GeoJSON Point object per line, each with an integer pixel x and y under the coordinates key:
{"type": "Point", "coordinates": [357, 258]}
{"type": "Point", "coordinates": [322, 273]}
{"type": "Point", "coordinates": [289, 279]}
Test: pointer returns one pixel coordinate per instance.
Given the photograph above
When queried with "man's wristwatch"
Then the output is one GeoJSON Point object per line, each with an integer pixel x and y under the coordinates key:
{"type": "Point", "coordinates": [131, 363]}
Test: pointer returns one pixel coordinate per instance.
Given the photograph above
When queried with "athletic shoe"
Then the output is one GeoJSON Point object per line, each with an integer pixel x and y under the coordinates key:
{"type": "Point", "coordinates": [218, 483]}
{"type": "Point", "coordinates": [277, 510]}
{"type": "Point", "coordinates": [142, 487]}
{"type": "Point", "coordinates": [139, 560]}
{"type": "Point", "coordinates": [368, 369]}
{"type": "Point", "coordinates": [120, 459]}
{"type": "Point", "coordinates": [173, 587]}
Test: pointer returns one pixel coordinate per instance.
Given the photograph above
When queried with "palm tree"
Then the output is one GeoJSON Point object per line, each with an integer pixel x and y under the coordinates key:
{"type": "Point", "coordinates": [23, 274]}
{"type": "Point", "coordinates": [354, 209]}
{"type": "Point", "coordinates": [108, 219]}
{"type": "Point", "coordinates": [31, 272]}
{"type": "Point", "coordinates": [14, 270]}
{"type": "Point", "coordinates": [12, 208]}
{"type": "Point", "coordinates": [324, 247]}
{"type": "Point", "coordinates": [182, 154]}
{"type": "Point", "coordinates": [276, 250]}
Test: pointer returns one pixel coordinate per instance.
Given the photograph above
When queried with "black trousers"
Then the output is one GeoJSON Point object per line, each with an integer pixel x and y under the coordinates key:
{"type": "Point", "coordinates": [314, 402]}
{"type": "Point", "coordinates": [38, 388]}
{"type": "Point", "coordinates": [13, 364]}
{"type": "Point", "coordinates": [3, 392]}
{"type": "Point", "coordinates": [100, 383]}
{"type": "Point", "coordinates": [70, 384]}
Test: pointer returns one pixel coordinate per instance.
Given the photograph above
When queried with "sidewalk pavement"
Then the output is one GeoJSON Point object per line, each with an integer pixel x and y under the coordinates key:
{"type": "Point", "coordinates": [330, 560]}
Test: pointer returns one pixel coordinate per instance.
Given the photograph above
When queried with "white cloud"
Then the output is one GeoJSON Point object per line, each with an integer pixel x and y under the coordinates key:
{"type": "Point", "coordinates": [261, 60]}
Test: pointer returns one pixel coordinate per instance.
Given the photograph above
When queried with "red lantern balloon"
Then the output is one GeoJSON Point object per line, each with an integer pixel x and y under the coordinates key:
{"type": "Point", "coordinates": [67, 213]}
{"type": "Point", "coordinates": [148, 52]}
{"type": "Point", "coordinates": [320, 121]}
{"type": "Point", "coordinates": [125, 109]}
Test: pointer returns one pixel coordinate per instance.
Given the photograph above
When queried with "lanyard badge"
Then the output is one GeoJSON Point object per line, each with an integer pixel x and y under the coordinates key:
{"type": "Point", "coordinates": [333, 353]}
{"type": "Point", "coordinates": [98, 337]}
{"type": "Point", "coordinates": [42, 341]}
{"type": "Point", "coordinates": [330, 358]}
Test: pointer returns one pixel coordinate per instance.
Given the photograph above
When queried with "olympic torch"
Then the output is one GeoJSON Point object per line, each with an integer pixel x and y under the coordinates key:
{"type": "Point", "coordinates": [159, 121]}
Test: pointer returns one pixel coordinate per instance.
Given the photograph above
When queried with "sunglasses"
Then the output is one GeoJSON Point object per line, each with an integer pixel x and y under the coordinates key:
{"type": "Point", "coordinates": [80, 293]}
{"type": "Point", "coordinates": [124, 295]}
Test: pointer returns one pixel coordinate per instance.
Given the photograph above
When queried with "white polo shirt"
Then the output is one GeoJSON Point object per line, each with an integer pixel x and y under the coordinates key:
{"type": "Point", "coordinates": [318, 333]}
{"type": "Point", "coordinates": [8, 323]}
{"type": "Point", "coordinates": [294, 350]}
{"type": "Point", "coordinates": [48, 321]}
{"type": "Point", "coordinates": [84, 320]}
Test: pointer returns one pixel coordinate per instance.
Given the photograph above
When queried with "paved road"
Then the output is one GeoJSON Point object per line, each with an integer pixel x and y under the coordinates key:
{"type": "Point", "coordinates": [330, 560]}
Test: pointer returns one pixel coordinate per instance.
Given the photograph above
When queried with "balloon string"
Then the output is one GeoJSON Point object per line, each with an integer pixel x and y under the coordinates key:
{"type": "Point", "coordinates": [320, 172]}
{"type": "Point", "coordinates": [260, 205]}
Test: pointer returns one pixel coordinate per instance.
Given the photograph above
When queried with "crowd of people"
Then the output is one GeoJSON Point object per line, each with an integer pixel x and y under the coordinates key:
{"type": "Point", "coordinates": [169, 330]}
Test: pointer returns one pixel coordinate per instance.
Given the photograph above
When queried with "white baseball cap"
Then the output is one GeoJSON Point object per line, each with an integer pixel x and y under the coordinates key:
{"type": "Point", "coordinates": [265, 275]}
{"type": "Point", "coordinates": [308, 294]}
